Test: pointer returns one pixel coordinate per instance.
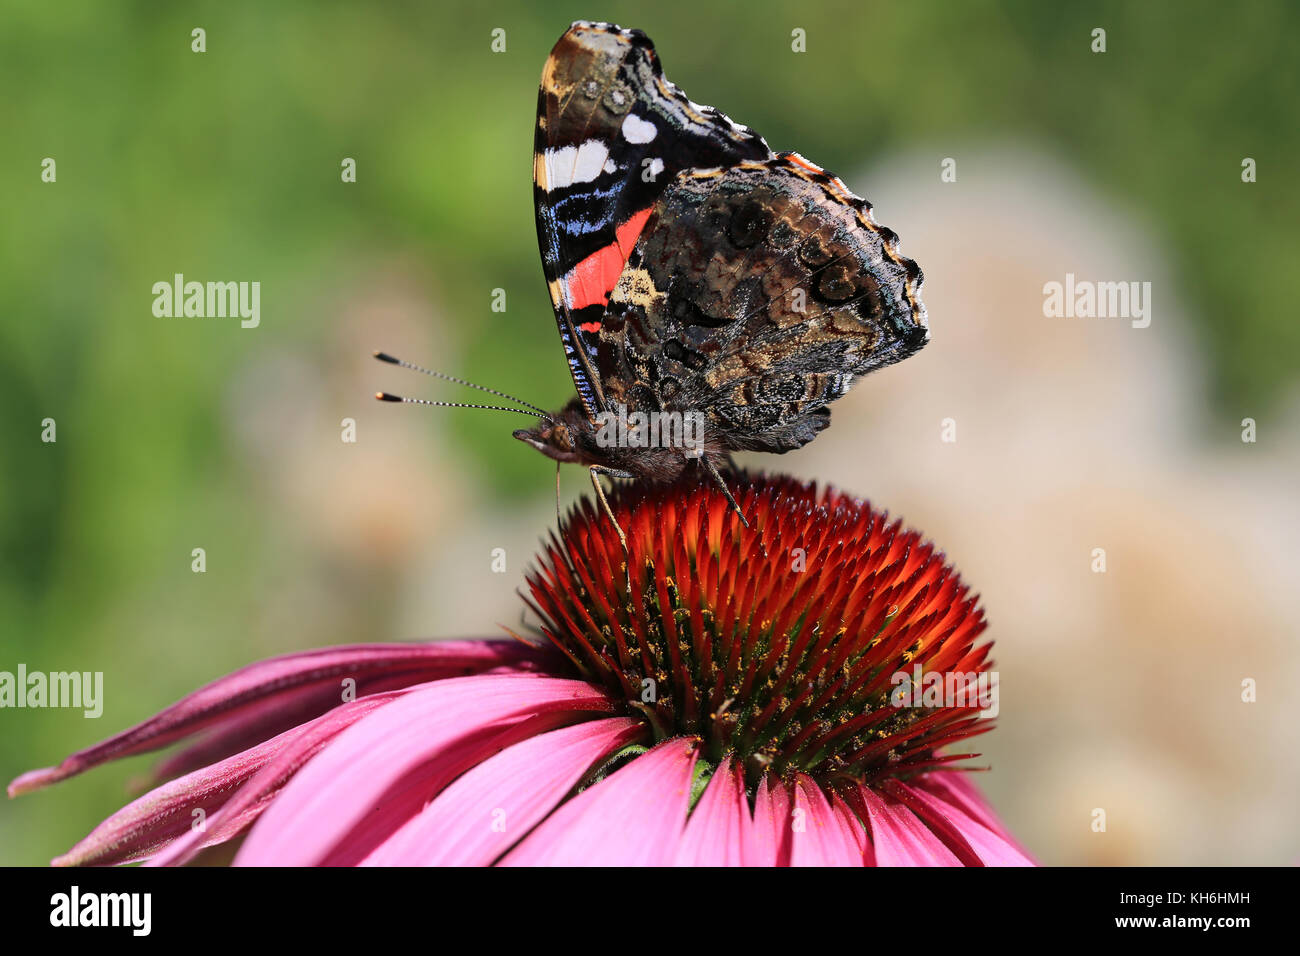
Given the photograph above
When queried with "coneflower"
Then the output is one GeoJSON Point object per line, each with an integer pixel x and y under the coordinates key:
{"type": "Point", "coordinates": [715, 695]}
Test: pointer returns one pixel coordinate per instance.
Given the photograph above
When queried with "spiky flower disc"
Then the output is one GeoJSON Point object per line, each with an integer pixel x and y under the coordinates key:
{"type": "Point", "coordinates": [778, 644]}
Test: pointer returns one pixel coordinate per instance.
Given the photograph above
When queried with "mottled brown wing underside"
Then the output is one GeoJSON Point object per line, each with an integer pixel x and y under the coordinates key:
{"type": "Point", "coordinates": [756, 295]}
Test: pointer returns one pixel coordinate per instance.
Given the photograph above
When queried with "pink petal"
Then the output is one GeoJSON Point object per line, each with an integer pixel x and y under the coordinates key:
{"type": "Point", "coordinates": [770, 844]}
{"type": "Point", "coordinates": [483, 813]}
{"type": "Point", "coordinates": [324, 669]}
{"type": "Point", "coordinates": [720, 831]}
{"type": "Point", "coordinates": [855, 831]}
{"type": "Point", "coordinates": [959, 789]}
{"type": "Point", "coordinates": [336, 790]}
{"type": "Point", "coordinates": [250, 800]}
{"type": "Point", "coordinates": [410, 795]}
{"type": "Point", "coordinates": [289, 752]}
{"type": "Point", "coordinates": [897, 836]}
{"type": "Point", "coordinates": [152, 821]}
{"type": "Point", "coordinates": [989, 848]}
{"type": "Point", "coordinates": [821, 836]}
{"type": "Point", "coordinates": [633, 817]}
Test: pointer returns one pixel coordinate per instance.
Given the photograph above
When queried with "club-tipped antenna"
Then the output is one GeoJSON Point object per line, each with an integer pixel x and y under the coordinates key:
{"type": "Point", "coordinates": [393, 360]}
{"type": "Point", "coordinates": [389, 397]}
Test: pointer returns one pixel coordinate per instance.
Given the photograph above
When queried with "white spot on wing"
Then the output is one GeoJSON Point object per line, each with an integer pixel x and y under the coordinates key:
{"type": "Point", "coordinates": [574, 164]}
{"type": "Point", "coordinates": [591, 161]}
{"type": "Point", "coordinates": [637, 130]}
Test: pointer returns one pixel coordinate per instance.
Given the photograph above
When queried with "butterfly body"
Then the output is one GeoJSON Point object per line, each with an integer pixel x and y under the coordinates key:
{"type": "Point", "coordinates": [570, 436]}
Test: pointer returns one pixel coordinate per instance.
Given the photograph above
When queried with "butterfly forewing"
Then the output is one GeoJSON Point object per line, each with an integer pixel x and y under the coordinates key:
{"type": "Point", "coordinates": [612, 134]}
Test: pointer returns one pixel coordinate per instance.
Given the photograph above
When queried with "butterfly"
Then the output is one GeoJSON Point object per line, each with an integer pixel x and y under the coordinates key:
{"type": "Point", "coordinates": [711, 296]}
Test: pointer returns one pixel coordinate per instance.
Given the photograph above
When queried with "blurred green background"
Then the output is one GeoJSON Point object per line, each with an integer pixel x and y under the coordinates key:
{"type": "Point", "coordinates": [183, 433]}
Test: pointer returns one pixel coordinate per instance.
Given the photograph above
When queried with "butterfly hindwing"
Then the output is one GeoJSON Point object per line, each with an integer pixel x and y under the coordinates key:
{"type": "Point", "coordinates": [755, 295]}
{"type": "Point", "coordinates": [612, 134]}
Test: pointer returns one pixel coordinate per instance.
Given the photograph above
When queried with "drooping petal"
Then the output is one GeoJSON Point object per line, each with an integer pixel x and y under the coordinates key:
{"type": "Point", "coordinates": [898, 836]}
{"type": "Point", "coordinates": [484, 812]}
{"type": "Point", "coordinates": [169, 811]}
{"type": "Point", "coordinates": [960, 790]}
{"type": "Point", "coordinates": [247, 690]}
{"type": "Point", "coordinates": [720, 831]}
{"type": "Point", "coordinates": [634, 817]}
{"type": "Point", "coordinates": [821, 836]}
{"type": "Point", "coordinates": [952, 824]}
{"type": "Point", "coordinates": [252, 725]}
{"type": "Point", "coordinates": [335, 791]}
{"type": "Point", "coordinates": [275, 714]}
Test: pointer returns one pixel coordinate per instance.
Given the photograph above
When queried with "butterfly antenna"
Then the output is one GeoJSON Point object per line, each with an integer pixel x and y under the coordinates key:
{"type": "Point", "coordinates": [393, 360]}
{"type": "Point", "coordinates": [387, 397]}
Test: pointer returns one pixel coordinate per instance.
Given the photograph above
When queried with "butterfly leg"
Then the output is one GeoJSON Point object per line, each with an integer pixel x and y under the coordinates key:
{"type": "Point", "coordinates": [557, 494]}
{"type": "Point", "coordinates": [596, 471]}
{"type": "Point", "coordinates": [713, 472]}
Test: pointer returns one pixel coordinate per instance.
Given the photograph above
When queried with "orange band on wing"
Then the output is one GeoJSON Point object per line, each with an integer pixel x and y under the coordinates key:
{"type": "Point", "coordinates": [592, 280]}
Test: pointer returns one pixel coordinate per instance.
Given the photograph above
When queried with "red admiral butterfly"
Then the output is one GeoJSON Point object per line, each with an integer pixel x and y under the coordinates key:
{"type": "Point", "coordinates": [711, 294]}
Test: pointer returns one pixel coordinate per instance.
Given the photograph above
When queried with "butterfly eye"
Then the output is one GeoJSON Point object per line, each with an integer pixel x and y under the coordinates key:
{"type": "Point", "coordinates": [560, 438]}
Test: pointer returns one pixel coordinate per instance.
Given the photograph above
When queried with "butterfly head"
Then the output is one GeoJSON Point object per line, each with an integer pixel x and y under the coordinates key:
{"type": "Point", "coordinates": [566, 436]}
